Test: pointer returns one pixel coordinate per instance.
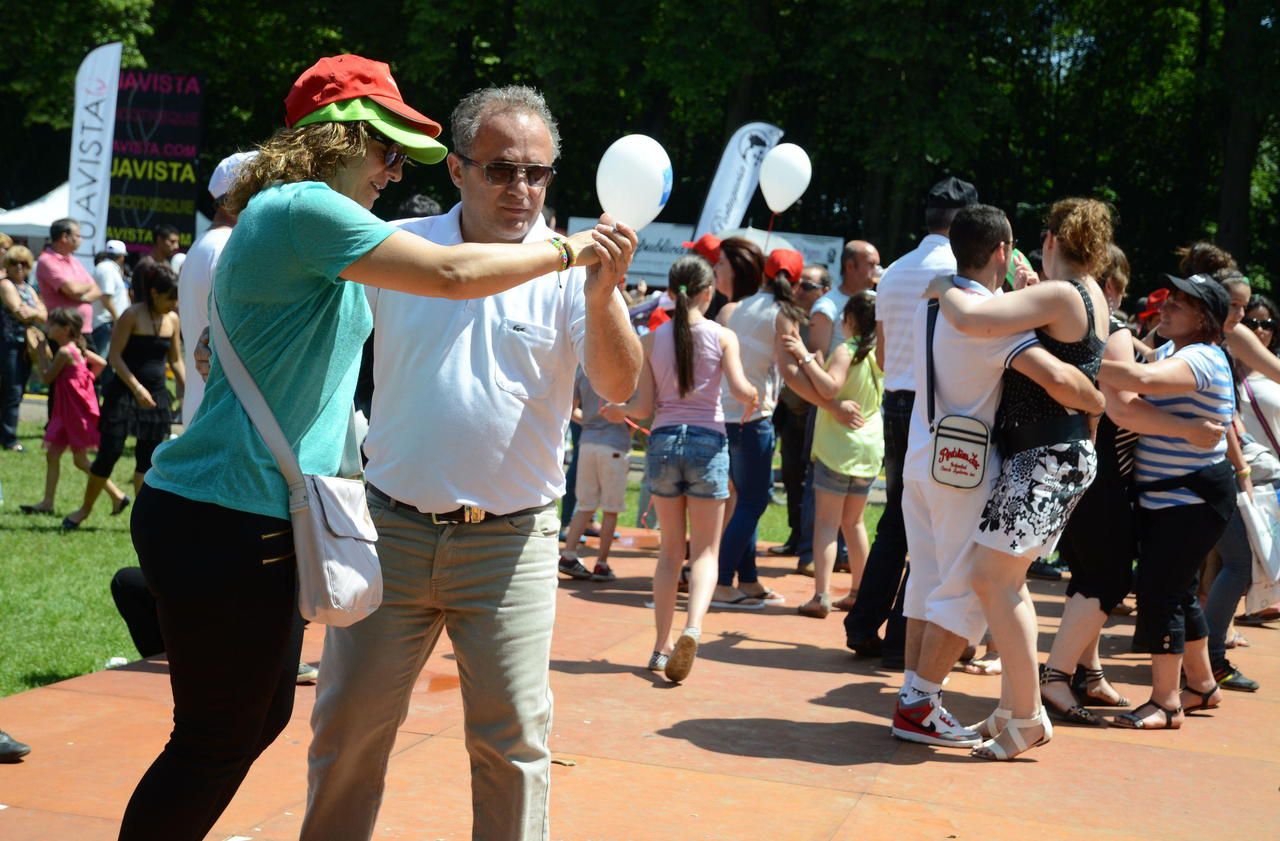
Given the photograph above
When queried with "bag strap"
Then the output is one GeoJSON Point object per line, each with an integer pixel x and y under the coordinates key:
{"type": "Point", "coordinates": [1266, 427]}
{"type": "Point", "coordinates": [255, 406]}
{"type": "Point", "coordinates": [931, 320]}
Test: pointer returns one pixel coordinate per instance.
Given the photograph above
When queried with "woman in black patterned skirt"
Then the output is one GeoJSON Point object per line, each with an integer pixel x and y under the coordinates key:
{"type": "Point", "coordinates": [1049, 457]}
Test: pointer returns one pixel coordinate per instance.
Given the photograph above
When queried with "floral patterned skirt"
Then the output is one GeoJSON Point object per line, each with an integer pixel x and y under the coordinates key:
{"type": "Point", "coordinates": [1035, 494]}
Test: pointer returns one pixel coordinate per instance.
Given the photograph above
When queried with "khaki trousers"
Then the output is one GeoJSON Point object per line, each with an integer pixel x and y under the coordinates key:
{"type": "Point", "coordinates": [492, 587]}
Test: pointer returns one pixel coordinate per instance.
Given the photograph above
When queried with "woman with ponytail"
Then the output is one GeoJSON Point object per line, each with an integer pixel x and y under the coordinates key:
{"type": "Point", "coordinates": [687, 465]}
{"type": "Point", "coordinates": [757, 320]}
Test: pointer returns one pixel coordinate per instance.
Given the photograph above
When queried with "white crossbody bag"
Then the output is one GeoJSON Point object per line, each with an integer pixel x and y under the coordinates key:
{"type": "Point", "coordinates": [339, 577]}
{"type": "Point", "coordinates": [960, 443]}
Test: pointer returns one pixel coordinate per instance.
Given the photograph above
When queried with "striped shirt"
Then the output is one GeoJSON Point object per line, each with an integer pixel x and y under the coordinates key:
{"type": "Point", "coordinates": [1160, 456]}
{"type": "Point", "coordinates": [897, 298]}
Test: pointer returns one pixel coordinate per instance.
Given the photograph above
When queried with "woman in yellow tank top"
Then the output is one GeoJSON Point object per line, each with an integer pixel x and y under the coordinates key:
{"type": "Point", "coordinates": [846, 461]}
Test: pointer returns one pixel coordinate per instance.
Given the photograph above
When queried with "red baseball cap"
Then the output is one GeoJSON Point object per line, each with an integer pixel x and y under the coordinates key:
{"type": "Point", "coordinates": [1154, 302]}
{"type": "Point", "coordinates": [706, 246]}
{"type": "Point", "coordinates": [342, 77]}
{"type": "Point", "coordinates": [784, 260]}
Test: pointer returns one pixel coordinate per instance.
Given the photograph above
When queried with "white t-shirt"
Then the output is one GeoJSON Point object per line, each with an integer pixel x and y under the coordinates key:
{"type": "Point", "coordinates": [898, 297]}
{"type": "Point", "coordinates": [968, 380]}
{"type": "Point", "coordinates": [471, 399]}
{"type": "Point", "coordinates": [1267, 393]}
{"type": "Point", "coordinates": [754, 322]}
{"type": "Point", "coordinates": [832, 305]}
{"type": "Point", "coordinates": [110, 279]}
{"type": "Point", "coordinates": [194, 283]}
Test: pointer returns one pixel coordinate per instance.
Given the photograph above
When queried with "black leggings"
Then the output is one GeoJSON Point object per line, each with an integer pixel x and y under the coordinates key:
{"type": "Point", "coordinates": [1174, 543]}
{"type": "Point", "coordinates": [110, 447]}
{"type": "Point", "coordinates": [225, 590]}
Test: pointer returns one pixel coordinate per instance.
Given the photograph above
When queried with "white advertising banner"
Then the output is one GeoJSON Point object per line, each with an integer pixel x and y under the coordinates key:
{"type": "Point", "coordinates": [660, 243]}
{"type": "Point", "coordinates": [737, 177]}
{"type": "Point", "coordinates": [93, 129]}
{"type": "Point", "coordinates": [818, 250]}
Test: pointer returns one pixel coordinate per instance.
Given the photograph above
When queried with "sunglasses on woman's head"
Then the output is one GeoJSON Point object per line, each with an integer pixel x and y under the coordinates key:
{"type": "Point", "coordinates": [1259, 324]}
{"type": "Point", "coordinates": [502, 173]}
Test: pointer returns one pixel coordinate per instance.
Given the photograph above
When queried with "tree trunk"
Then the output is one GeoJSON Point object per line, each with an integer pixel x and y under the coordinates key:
{"type": "Point", "coordinates": [1244, 133]}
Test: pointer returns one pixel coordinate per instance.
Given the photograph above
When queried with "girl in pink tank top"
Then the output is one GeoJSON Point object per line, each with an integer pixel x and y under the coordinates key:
{"type": "Point", "coordinates": [73, 423]}
{"type": "Point", "coordinates": [687, 463]}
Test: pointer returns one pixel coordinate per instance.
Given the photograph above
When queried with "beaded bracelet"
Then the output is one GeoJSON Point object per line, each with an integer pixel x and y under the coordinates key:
{"type": "Point", "coordinates": [566, 253]}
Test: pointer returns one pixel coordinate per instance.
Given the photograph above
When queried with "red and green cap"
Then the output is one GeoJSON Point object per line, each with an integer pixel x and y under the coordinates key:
{"type": "Point", "coordinates": [418, 145]}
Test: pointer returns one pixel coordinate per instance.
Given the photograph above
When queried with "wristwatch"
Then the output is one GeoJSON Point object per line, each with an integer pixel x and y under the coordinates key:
{"type": "Point", "coordinates": [806, 360]}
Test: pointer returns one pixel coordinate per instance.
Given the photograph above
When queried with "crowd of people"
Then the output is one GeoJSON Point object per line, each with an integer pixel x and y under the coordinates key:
{"type": "Point", "coordinates": [1011, 406]}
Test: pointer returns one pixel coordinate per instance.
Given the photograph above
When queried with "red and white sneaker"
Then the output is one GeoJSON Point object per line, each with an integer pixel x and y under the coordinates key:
{"type": "Point", "coordinates": [926, 721]}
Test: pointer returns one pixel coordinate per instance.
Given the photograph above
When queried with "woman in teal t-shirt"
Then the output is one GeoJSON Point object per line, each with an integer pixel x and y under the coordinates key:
{"type": "Point", "coordinates": [211, 523]}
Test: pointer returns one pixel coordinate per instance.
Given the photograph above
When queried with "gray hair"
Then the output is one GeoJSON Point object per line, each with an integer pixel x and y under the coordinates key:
{"type": "Point", "coordinates": [475, 106]}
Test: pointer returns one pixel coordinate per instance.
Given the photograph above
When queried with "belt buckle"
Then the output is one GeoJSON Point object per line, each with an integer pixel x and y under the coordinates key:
{"type": "Point", "coordinates": [472, 514]}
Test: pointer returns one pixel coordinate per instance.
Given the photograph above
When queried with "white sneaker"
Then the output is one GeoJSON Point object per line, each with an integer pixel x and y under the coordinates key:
{"type": "Point", "coordinates": [926, 721]}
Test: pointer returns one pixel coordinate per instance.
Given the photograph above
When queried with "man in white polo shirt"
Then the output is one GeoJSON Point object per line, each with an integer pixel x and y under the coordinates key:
{"type": "Point", "coordinates": [470, 404]}
{"type": "Point", "coordinates": [897, 296]}
{"type": "Point", "coordinates": [196, 278]}
{"type": "Point", "coordinates": [943, 614]}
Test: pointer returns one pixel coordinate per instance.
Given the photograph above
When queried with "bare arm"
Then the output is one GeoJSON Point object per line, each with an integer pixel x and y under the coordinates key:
{"type": "Point", "coordinates": [86, 292]}
{"type": "Point", "coordinates": [1001, 315]}
{"type": "Point", "coordinates": [826, 383]}
{"type": "Point", "coordinates": [1244, 345]}
{"type": "Point", "coordinates": [407, 263]}
{"type": "Point", "coordinates": [1063, 382]}
{"type": "Point", "coordinates": [50, 368]}
{"type": "Point", "coordinates": [611, 352]}
{"type": "Point", "coordinates": [641, 404]}
{"type": "Point", "coordinates": [847, 412]}
{"type": "Point", "coordinates": [1128, 410]}
{"type": "Point", "coordinates": [1168, 376]}
{"type": "Point", "coordinates": [820, 331]}
{"type": "Point", "coordinates": [175, 357]}
{"type": "Point", "coordinates": [880, 345]}
{"type": "Point", "coordinates": [120, 335]}
{"type": "Point", "coordinates": [731, 363]}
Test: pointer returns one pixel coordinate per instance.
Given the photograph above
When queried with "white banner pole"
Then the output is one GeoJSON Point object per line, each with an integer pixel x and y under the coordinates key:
{"type": "Point", "coordinates": [93, 129]}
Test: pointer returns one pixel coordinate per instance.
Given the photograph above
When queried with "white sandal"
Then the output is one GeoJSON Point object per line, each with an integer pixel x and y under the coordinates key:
{"type": "Point", "coordinates": [992, 749]}
{"type": "Point", "coordinates": [991, 726]}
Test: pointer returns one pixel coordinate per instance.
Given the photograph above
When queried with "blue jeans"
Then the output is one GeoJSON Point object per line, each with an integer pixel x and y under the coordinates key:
{"type": "Point", "coordinates": [880, 595]}
{"type": "Point", "coordinates": [1231, 584]}
{"type": "Point", "coordinates": [751, 467]}
{"type": "Point", "coordinates": [569, 501]}
{"type": "Point", "coordinates": [686, 460]}
{"type": "Point", "coordinates": [15, 369]}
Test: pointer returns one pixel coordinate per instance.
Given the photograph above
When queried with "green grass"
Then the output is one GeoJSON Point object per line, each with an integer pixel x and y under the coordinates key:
{"type": "Point", "coordinates": [57, 619]}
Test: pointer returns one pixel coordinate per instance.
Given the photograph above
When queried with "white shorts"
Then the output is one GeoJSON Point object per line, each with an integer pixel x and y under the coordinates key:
{"type": "Point", "coordinates": [940, 524]}
{"type": "Point", "coordinates": [602, 478]}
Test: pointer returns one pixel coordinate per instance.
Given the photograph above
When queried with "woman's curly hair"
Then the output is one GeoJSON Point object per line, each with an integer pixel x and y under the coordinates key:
{"type": "Point", "coordinates": [309, 153]}
{"type": "Point", "coordinates": [1084, 231]}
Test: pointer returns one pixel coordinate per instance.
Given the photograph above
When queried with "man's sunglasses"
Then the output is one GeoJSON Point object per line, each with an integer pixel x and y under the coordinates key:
{"type": "Point", "coordinates": [503, 173]}
{"type": "Point", "coordinates": [394, 156]}
{"type": "Point", "coordinates": [1259, 324]}
{"type": "Point", "coordinates": [809, 287]}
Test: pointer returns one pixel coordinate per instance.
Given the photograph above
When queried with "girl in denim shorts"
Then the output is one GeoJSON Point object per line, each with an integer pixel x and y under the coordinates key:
{"type": "Point", "coordinates": [845, 461]}
{"type": "Point", "coordinates": [687, 465]}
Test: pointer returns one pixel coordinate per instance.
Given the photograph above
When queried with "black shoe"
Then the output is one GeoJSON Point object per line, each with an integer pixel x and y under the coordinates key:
{"type": "Point", "coordinates": [11, 750]}
{"type": "Point", "coordinates": [784, 549]}
{"type": "Point", "coordinates": [1043, 571]}
{"type": "Point", "coordinates": [865, 646]}
{"type": "Point", "coordinates": [893, 662]}
{"type": "Point", "coordinates": [1229, 677]}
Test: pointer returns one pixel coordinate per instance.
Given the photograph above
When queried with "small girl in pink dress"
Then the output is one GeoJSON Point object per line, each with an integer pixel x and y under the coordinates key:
{"type": "Point", "coordinates": [73, 423]}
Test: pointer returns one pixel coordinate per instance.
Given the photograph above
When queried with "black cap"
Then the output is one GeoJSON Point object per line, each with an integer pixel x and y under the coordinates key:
{"type": "Point", "coordinates": [951, 192]}
{"type": "Point", "coordinates": [1206, 289]}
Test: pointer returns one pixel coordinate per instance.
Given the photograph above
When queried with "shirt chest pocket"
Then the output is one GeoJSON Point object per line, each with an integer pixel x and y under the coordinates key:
{"type": "Point", "coordinates": [524, 357]}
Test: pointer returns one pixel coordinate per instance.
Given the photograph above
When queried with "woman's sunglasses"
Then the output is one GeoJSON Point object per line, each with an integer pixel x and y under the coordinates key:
{"type": "Point", "coordinates": [394, 156]}
{"type": "Point", "coordinates": [1259, 324]}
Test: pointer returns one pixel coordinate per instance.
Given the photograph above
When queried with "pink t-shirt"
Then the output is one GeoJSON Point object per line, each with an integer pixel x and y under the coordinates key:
{"type": "Point", "coordinates": [701, 406]}
{"type": "Point", "coordinates": [52, 271]}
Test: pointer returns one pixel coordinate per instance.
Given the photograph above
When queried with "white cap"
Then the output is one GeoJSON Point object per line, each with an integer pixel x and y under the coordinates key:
{"type": "Point", "coordinates": [115, 248]}
{"type": "Point", "coordinates": [225, 173]}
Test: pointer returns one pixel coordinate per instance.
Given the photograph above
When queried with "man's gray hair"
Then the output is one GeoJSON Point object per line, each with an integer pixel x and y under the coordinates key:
{"type": "Point", "coordinates": [486, 102]}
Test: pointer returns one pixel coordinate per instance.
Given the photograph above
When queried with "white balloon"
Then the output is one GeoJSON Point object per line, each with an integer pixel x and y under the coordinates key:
{"type": "Point", "coordinates": [633, 180]}
{"type": "Point", "coordinates": [784, 176]}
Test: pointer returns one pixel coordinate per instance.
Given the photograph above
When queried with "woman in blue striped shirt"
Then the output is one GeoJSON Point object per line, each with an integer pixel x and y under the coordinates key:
{"type": "Point", "coordinates": [1186, 496]}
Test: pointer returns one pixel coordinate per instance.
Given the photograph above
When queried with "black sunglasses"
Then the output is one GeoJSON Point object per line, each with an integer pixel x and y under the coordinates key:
{"type": "Point", "coordinates": [503, 173]}
{"type": "Point", "coordinates": [810, 287]}
{"type": "Point", "coordinates": [1259, 324]}
{"type": "Point", "coordinates": [394, 156]}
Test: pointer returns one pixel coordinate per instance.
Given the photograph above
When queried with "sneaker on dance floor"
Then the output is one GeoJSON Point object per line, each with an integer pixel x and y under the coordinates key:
{"type": "Point", "coordinates": [1229, 677]}
{"type": "Point", "coordinates": [307, 673]}
{"type": "Point", "coordinates": [602, 572]}
{"type": "Point", "coordinates": [1044, 571]}
{"type": "Point", "coordinates": [573, 568]}
{"type": "Point", "coordinates": [926, 721]}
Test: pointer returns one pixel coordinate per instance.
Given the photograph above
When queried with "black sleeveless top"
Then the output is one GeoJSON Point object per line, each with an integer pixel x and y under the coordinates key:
{"type": "Point", "coordinates": [1025, 402]}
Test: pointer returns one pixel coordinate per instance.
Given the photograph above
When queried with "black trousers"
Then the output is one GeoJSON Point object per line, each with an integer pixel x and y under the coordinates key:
{"type": "Point", "coordinates": [795, 458]}
{"type": "Point", "coordinates": [225, 588]}
{"type": "Point", "coordinates": [1174, 542]}
{"type": "Point", "coordinates": [883, 582]}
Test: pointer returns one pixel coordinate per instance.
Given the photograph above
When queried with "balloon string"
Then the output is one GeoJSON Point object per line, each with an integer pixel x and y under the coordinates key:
{"type": "Point", "coordinates": [768, 233]}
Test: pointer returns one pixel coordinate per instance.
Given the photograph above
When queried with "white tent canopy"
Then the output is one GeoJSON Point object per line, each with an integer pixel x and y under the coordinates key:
{"type": "Point", "coordinates": [34, 219]}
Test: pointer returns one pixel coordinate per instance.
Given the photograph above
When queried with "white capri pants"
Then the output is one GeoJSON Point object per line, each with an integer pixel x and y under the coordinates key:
{"type": "Point", "coordinates": [941, 523]}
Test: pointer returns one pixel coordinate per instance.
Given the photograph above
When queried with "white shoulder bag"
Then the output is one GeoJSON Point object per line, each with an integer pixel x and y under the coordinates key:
{"type": "Point", "coordinates": [960, 443]}
{"type": "Point", "coordinates": [339, 577]}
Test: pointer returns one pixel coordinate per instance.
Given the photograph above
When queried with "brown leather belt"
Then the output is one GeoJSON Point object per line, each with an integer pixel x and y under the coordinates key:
{"type": "Point", "coordinates": [459, 515]}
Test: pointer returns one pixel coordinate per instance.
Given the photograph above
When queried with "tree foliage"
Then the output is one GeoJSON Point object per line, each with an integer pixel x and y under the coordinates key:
{"type": "Point", "coordinates": [1168, 109]}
